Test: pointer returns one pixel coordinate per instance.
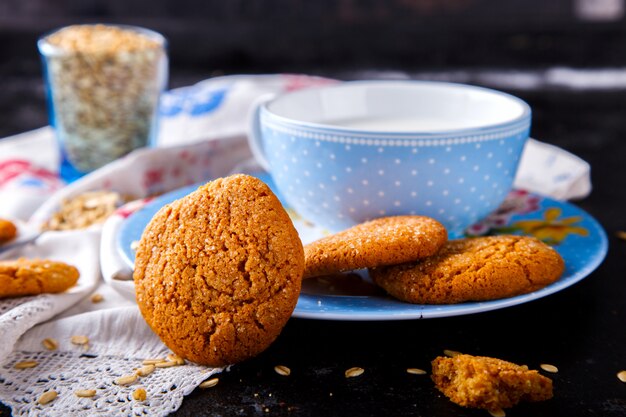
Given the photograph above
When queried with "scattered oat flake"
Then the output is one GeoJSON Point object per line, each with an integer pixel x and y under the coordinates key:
{"type": "Point", "coordinates": [497, 413]}
{"type": "Point", "coordinates": [153, 361]}
{"type": "Point", "coordinates": [50, 344]}
{"type": "Point", "coordinates": [79, 340]}
{"type": "Point", "coordinates": [126, 379]}
{"type": "Point", "coordinates": [166, 364]}
{"type": "Point", "coordinates": [621, 234]}
{"type": "Point", "coordinates": [354, 372]}
{"type": "Point", "coordinates": [416, 371]}
{"type": "Point", "coordinates": [549, 368]}
{"type": "Point", "coordinates": [46, 397]}
{"type": "Point", "coordinates": [451, 353]}
{"type": "Point", "coordinates": [140, 394]}
{"type": "Point", "coordinates": [172, 357]}
{"type": "Point", "coordinates": [282, 370]}
{"type": "Point", "coordinates": [85, 393]}
{"type": "Point", "coordinates": [96, 298]}
{"type": "Point", "coordinates": [209, 383]}
{"type": "Point", "coordinates": [25, 364]}
{"type": "Point", "coordinates": [145, 370]}
{"type": "Point", "coordinates": [621, 375]}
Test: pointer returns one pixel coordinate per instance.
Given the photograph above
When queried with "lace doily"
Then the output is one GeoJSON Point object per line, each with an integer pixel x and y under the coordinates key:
{"type": "Point", "coordinates": [117, 341]}
{"type": "Point", "coordinates": [78, 248]}
{"type": "Point", "coordinates": [67, 372]}
{"type": "Point", "coordinates": [20, 314]}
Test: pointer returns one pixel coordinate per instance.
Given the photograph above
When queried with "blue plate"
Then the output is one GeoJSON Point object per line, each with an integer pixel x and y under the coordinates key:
{"type": "Point", "coordinates": [576, 235]}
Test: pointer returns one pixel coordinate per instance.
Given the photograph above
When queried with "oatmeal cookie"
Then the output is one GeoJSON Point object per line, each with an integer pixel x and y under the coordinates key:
{"type": "Point", "coordinates": [383, 241]}
{"type": "Point", "coordinates": [8, 230]}
{"type": "Point", "coordinates": [473, 269]}
{"type": "Point", "coordinates": [489, 383]}
{"type": "Point", "coordinates": [218, 272]}
{"type": "Point", "coordinates": [35, 276]}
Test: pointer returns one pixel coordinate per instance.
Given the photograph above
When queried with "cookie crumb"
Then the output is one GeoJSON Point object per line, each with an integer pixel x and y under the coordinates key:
{"type": "Point", "coordinates": [96, 298]}
{"type": "Point", "coordinates": [140, 394]}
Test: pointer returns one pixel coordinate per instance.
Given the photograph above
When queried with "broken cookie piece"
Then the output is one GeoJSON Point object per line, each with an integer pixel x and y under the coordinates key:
{"type": "Point", "coordinates": [488, 383]}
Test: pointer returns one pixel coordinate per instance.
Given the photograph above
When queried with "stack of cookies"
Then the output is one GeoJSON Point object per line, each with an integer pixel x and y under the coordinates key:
{"type": "Point", "coordinates": [411, 258]}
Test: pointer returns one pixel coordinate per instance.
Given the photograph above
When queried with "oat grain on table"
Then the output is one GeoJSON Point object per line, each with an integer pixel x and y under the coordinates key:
{"type": "Point", "coordinates": [218, 272]}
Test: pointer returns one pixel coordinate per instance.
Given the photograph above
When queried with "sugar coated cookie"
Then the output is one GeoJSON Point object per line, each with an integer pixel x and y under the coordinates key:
{"type": "Point", "coordinates": [473, 269]}
{"type": "Point", "coordinates": [489, 383]}
{"type": "Point", "coordinates": [383, 241]}
{"type": "Point", "coordinates": [218, 272]}
{"type": "Point", "coordinates": [35, 276]}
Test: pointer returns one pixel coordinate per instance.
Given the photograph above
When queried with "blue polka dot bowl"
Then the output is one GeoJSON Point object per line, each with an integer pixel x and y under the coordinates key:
{"type": "Point", "coordinates": [350, 152]}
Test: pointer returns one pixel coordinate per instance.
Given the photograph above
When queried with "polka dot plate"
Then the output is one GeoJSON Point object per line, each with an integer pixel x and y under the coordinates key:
{"type": "Point", "coordinates": [576, 235]}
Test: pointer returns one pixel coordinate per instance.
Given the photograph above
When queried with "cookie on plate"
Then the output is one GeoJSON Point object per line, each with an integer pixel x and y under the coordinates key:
{"type": "Point", "coordinates": [35, 276]}
{"type": "Point", "coordinates": [489, 383]}
{"type": "Point", "coordinates": [218, 272]}
{"type": "Point", "coordinates": [383, 241]}
{"type": "Point", "coordinates": [473, 269]}
{"type": "Point", "coordinates": [8, 230]}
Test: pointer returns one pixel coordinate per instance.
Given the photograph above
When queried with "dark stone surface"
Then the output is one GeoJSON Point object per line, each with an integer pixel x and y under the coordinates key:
{"type": "Point", "coordinates": [580, 329]}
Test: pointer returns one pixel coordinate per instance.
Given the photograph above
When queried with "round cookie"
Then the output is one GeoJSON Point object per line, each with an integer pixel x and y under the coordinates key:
{"type": "Point", "coordinates": [474, 269]}
{"type": "Point", "coordinates": [383, 241]}
{"type": "Point", "coordinates": [218, 272]}
{"type": "Point", "coordinates": [35, 276]}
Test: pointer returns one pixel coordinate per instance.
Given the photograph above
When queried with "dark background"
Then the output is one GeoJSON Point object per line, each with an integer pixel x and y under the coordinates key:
{"type": "Point", "coordinates": [581, 329]}
{"type": "Point", "coordinates": [343, 38]}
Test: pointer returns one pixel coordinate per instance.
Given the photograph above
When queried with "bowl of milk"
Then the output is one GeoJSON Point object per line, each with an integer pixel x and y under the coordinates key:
{"type": "Point", "coordinates": [355, 151]}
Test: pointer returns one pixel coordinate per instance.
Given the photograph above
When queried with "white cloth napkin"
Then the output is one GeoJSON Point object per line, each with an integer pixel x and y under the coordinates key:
{"type": "Point", "coordinates": [202, 136]}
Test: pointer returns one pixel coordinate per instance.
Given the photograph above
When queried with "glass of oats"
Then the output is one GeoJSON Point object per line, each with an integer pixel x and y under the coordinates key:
{"type": "Point", "coordinates": [103, 84]}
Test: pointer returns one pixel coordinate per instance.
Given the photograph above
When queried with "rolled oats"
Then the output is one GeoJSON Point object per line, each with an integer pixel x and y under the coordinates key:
{"type": "Point", "coordinates": [209, 383]}
{"type": "Point", "coordinates": [50, 343]}
{"type": "Point", "coordinates": [354, 372]}
{"type": "Point", "coordinates": [104, 84]}
{"type": "Point", "coordinates": [84, 210]}
{"type": "Point", "coordinates": [46, 397]}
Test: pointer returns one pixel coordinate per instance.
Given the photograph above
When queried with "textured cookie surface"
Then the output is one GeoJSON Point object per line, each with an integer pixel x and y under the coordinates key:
{"type": "Point", "coordinates": [35, 276]}
{"type": "Point", "coordinates": [218, 272]}
{"type": "Point", "coordinates": [383, 241]}
{"type": "Point", "coordinates": [489, 383]}
{"type": "Point", "coordinates": [474, 269]}
{"type": "Point", "coordinates": [8, 231]}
